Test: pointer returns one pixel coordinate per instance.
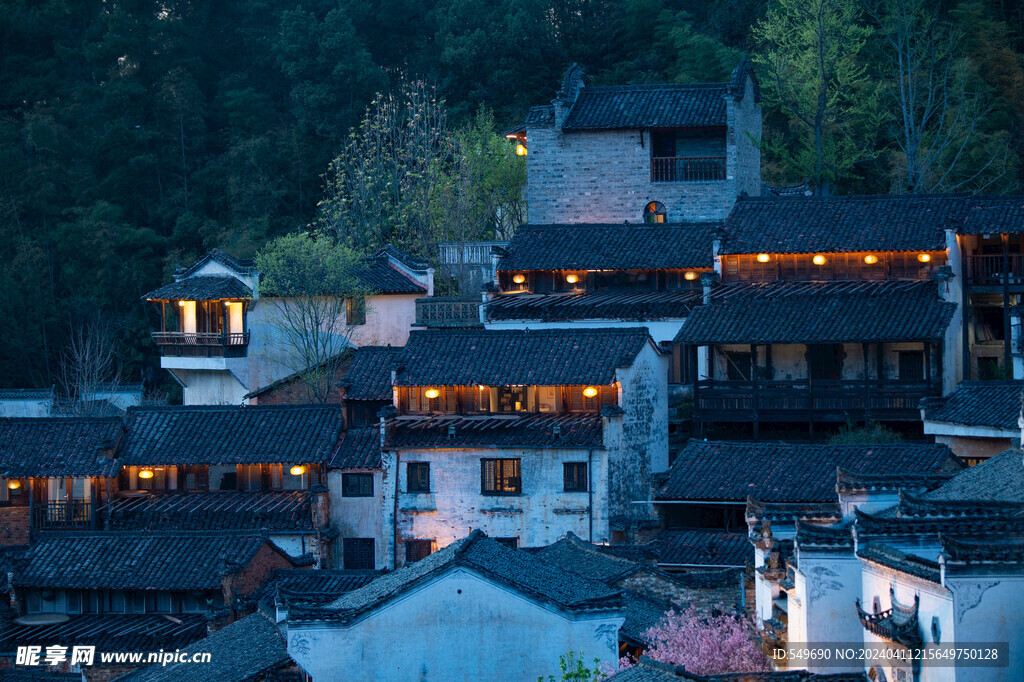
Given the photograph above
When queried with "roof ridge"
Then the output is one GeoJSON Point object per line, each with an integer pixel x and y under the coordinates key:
{"type": "Point", "coordinates": [653, 86]}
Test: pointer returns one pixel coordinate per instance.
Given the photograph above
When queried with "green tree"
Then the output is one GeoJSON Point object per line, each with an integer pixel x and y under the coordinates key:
{"type": "Point", "coordinates": [312, 283]}
{"type": "Point", "coordinates": [812, 74]}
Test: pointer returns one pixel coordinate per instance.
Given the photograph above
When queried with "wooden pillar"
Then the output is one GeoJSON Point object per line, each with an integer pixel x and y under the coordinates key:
{"type": "Point", "coordinates": [754, 384]}
{"type": "Point", "coordinates": [1007, 360]}
{"type": "Point", "coordinates": [810, 391]}
{"type": "Point", "coordinates": [695, 374]}
{"type": "Point", "coordinates": [928, 347]}
{"type": "Point", "coordinates": [866, 349]}
{"type": "Point", "coordinates": [965, 296]}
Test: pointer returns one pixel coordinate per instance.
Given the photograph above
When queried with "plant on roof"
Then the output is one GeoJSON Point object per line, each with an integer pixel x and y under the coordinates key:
{"type": "Point", "coordinates": [849, 434]}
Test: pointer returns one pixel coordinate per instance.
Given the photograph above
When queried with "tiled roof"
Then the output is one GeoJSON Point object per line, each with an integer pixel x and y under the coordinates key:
{"type": "Point", "coordinates": [248, 649]}
{"type": "Point", "coordinates": [543, 357]}
{"type": "Point", "coordinates": [602, 305]}
{"type": "Point", "coordinates": [289, 511]}
{"type": "Point", "coordinates": [891, 557]}
{"type": "Point", "coordinates": [812, 536]}
{"type": "Point", "coordinates": [239, 265]}
{"type": "Point", "coordinates": [515, 568]}
{"type": "Point", "coordinates": [339, 362]}
{"type": "Point", "coordinates": [109, 632]}
{"type": "Point", "coordinates": [201, 288]}
{"type": "Point", "coordinates": [819, 312]}
{"type": "Point", "coordinates": [994, 215]}
{"type": "Point", "coordinates": [27, 393]}
{"type": "Point", "coordinates": [727, 471]}
{"type": "Point", "coordinates": [583, 558]}
{"type": "Point", "coordinates": [294, 585]}
{"type": "Point", "coordinates": [648, 106]}
{"type": "Point", "coordinates": [575, 430]}
{"type": "Point", "coordinates": [136, 561]}
{"type": "Point", "coordinates": [272, 434]}
{"type": "Point", "coordinates": [369, 376]}
{"type": "Point", "coordinates": [66, 446]}
{"type": "Point", "coordinates": [610, 247]}
{"type": "Point", "coordinates": [999, 550]}
{"type": "Point", "coordinates": [381, 277]}
{"type": "Point", "coordinates": [359, 448]}
{"type": "Point", "coordinates": [703, 548]}
{"type": "Point", "coordinates": [641, 614]}
{"type": "Point", "coordinates": [997, 479]}
{"type": "Point", "coordinates": [994, 404]}
{"type": "Point", "coordinates": [841, 224]}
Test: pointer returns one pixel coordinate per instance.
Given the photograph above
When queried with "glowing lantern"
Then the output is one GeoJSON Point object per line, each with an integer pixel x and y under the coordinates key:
{"type": "Point", "coordinates": [924, 257]}
{"type": "Point", "coordinates": [763, 258]}
{"type": "Point", "coordinates": [690, 276]}
{"type": "Point", "coordinates": [519, 279]}
{"type": "Point", "coordinates": [520, 149]}
{"type": "Point", "coordinates": [432, 393]}
{"type": "Point", "coordinates": [146, 473]}
{"type": "Point", "coordinates": [181, 303]}
{"type": "Point", "coordinates": [819, 260]}
{"type": "Point", "coordinates": [590, 391]}
{"type": "Point", "coordinates": [297, 470]}
{"type": "Point", "coordinates": [871, 259]}
{"type": "Point", "coordinates": [13, 484]}
{"type": "Point", "coordinates": [572, 279]}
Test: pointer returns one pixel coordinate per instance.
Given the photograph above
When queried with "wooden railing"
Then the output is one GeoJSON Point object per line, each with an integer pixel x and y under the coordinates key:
{"type": "Point", "coordinates": [988, 270]}
{"type": "Point", "coordinates": [444, 311]}
{"type": "Point", "coordinates": [801, 400]}
{"type": "Point", "coordinates": [687, 168]}
{"type": "Point", "coordinates": [202, 344]}
{"type": "Point", "coordinates": [62, 516]}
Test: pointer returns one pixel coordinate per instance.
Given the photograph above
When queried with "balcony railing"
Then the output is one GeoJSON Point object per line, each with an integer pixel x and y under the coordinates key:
{"type": "Point", "coordinates": [443, 311]}
{"type": "Point", "coordinates": [990, 269]}
{"type": "Point", "coordinates": [202, 344]}
{"type": "Point", "coordinates": [62, 516]}
{"type": "Point", "coordinates": [687, 168]}
{"type": "Point", "coordinates": [835, 401]}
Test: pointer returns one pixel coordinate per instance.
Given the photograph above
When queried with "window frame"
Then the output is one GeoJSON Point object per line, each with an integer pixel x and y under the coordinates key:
{"type": "Point", "coordinates": [348, 489]}
{"type": "Point", "coordinates": [356, 551]}
{"type": "Point", "coordinates": [579, 484]}
{"type": "Point", "coordinates": [416, 547]}
{"type": "Point", "coordinates": [420, 477]}
{"type": "Point", "coordinates": [355, 311]}
{"type": "Point", "coordinates": [502, 484]}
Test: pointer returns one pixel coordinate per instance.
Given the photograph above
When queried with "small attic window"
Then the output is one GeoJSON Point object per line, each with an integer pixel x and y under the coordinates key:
{"type": "Point", "coordinates": [654, 212]}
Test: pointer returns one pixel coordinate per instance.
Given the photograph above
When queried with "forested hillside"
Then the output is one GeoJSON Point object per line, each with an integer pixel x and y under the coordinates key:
{"type": "Point", "coordinates": [135, 135]}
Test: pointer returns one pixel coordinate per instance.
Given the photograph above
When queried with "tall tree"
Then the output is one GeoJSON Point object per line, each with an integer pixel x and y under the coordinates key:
{"type": "Point", "coordinates": [811, 72]}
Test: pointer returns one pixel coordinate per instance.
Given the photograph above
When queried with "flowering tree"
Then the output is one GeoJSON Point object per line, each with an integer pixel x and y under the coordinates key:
{"type": "Point", "coordinates": [704, 644]}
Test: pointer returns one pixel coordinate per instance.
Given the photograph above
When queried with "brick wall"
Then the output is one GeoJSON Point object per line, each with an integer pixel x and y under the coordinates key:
{"type": "Point", "coordinates": [295, 391]}
{"type": "Point", "coordinates": [250, 578]}
{"type": "Point", "coordinates": [14, 526]}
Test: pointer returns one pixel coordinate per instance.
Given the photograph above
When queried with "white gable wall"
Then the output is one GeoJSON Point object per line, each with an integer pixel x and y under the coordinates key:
{"type": "Point", "coordinates": [458, 626]}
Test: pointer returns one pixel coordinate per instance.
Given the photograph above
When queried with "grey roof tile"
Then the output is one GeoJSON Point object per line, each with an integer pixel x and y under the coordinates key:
{"type": "Point", "coordinates": [610, 247]}
{"type": "Point", "coordinates": [606, 305]}
{"type": "Point", "coordinates": [545, 357]}
{"type": "Point", "coordinates": [727, 471]}
{"type": "Point", "coordinates": [218, 434]}
{"type": "Point", "coordinates": [359, 448]}
{"type": "Point", "coordinates": [819, 312]}
{"type": "Point", "coordinates": [65, 446]}
{"type": "Point", "coordinates": [369, 376]}
{"type": "Point", "coordinates": [995, 404]}
{"type": "Point", "coordinates": [997, 479]}
{"type": "Point", "coordinates": [290, 511]}
{"type": "Point", "coordinates": [109, 632]}
{"type": "Point", "coordinates": [574, 430]}
{"type": "Point", "coordinates": [648, 106]}
{"type": "Point", "coordinates": [201, 288]}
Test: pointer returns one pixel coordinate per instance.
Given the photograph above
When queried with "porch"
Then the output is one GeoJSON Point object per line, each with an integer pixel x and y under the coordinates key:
{"type": "Point", "coordinates": [202, 344]}
{"type": "Point", "coordinates": [71, 515]}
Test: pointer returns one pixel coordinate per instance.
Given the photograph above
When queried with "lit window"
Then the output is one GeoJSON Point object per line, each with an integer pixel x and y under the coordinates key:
{"type": "Point", "coordinates": [654, 212]}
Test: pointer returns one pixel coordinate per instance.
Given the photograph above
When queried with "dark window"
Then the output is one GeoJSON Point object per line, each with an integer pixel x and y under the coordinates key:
{"type": "Point", "coordinates": [500, 477]}
{"type": "Point", "coordinates": [418, 549]}
{"type": "Point", "coordinates": [417, 477]}
{"type": "Point", "coordinates": [355, 310]}
{"type": "Point", "coordinates": [826, 361]}
{"type": "Point", "coordinates": [737, 366]}
{"type": "Point", "coordinates": [912, 365]}
{"type": "Point", "coordinates": [512, 542]}
{"type": "Point", "coordinates": [654, 212]}
{"type": "Point", "coordinates": [358, 554]}
{"type": "Point", "coordinates": [357, 485]}
{"type": "Point", "coordinates": [193, 477]}
{"type": "Point", "coordinates": [574, 475]}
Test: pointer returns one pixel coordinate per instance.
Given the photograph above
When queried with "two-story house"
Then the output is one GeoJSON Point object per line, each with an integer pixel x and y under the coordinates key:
{"type": "Point", "coordinates": [828, 310]}
{"type": "Point", "coordinates": [636, 153]}
{"type": "Point", "coordinates": [523, 434]}
{"type": "Point", "coordinates": [223, 341]}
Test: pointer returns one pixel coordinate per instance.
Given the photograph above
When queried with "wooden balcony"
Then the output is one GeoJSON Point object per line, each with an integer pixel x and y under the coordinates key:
{"type": "Point", "coordinates": [202, 344]}
{"type": "Point", "coordinates": [989, 270]}
{"type": "Point", "coordinates": [62, 516]}
{"type": "Point", "coordinates": [447, 311]}
{"type": "Point", "coordinates": [804, 401]}
{"type": "Point", "coordinates": [687, 168]}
